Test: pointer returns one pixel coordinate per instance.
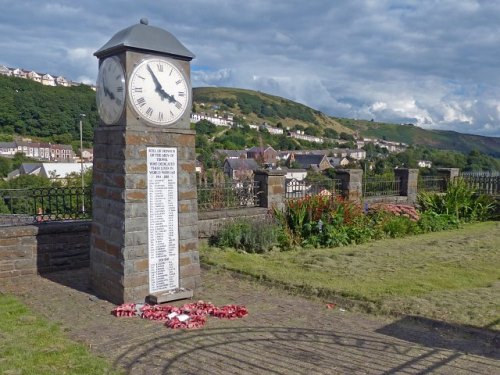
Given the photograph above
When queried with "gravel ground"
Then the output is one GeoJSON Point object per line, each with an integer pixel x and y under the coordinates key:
{"type": "Point", "coordinates": [283, 334]}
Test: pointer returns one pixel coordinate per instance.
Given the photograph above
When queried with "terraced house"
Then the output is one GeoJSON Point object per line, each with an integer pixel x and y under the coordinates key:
{"type": "Point", "coordinates": [38, 150]}
{"type": "Point", "coordinates": [43, 78]}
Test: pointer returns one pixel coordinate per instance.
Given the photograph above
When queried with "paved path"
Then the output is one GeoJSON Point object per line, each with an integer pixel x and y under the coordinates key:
{"type": "Point", "coordinates": [283, 334]}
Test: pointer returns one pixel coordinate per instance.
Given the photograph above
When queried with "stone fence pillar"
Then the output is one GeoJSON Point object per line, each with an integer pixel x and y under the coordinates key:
{"type": "Point", "coordinates": [408, 183]}
{"type": "Point", "coordinates": [271, 187]}
{"type": "Point", "coordinates": [449, 174]}
{"type": "Point", "coordinates": [352, 183]}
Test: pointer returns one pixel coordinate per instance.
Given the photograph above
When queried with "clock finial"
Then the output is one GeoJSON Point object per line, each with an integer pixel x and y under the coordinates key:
{"type": "Point", "coordinates": [144, 21]}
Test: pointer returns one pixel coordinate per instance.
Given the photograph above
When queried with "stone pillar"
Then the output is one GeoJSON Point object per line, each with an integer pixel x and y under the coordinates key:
{"type": "Point", "coordinates": [408, 183]}
{"type": "Point", "coordinates": [449, 174]}
{"type": "Point", "coordinates": [352, 183]}
{"type": "Point", "coordinates": [119, 263]}
{"type": "Point", "coordinates": [271, 187]}
{"type": "Point", "coordinates": [144, 239]}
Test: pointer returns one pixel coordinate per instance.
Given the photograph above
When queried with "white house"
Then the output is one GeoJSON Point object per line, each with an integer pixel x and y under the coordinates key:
{"type": "Point", "coordinates": [357, 154]}
{"type": "Point", "coordinates": [338, 162]}
{"type": "Point", "coordinates": [61, 81]}
{"type": "Point", "coordinates": [5, 70]}
{"type": "Point", "coordinates": [219, 121]}
{"type": "Point", "coordinates": [271, 130]}
{"type": "Point", "coordinates": [34, 76]}
{"type": "Point", "coordinates": [17, 72]}
{"type": "Point", "coordinates": [48, 80]}
{"type": "Point", "coordinates": [300, 135]}
{"type": "Point", "coordinates": [8, 148]}
{"type": "Point", "coordinates": [87, 154]}
{"type": "Point", "coordinates": [295, 174]}
{"type": "Point", "coordinates": [424, 163]}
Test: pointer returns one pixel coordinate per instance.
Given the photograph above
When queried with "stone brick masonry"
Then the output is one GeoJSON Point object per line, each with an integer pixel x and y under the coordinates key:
{"type": "Point", "coordinates": [43, 248]}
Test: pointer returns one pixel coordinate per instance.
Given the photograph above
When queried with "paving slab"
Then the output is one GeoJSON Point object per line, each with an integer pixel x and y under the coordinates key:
{"type": "Point", "coordinates": [283, 334]}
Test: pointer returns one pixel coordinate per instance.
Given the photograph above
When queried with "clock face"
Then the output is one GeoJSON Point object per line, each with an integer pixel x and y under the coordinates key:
{"type": "Point", "coordinates": [110, 90]}
{"type": "Point", "coordinates": [159, 91]}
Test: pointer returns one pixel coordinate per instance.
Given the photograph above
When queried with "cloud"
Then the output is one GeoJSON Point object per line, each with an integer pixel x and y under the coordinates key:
{"type": "Point", "coordinates": [222, 77]}
{"type": "Point", "coordinates": [433, 63]}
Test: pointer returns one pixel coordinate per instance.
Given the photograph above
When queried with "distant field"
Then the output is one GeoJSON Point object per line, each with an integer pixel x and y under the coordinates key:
{"type": "Point", "coordinates": [452, 276]}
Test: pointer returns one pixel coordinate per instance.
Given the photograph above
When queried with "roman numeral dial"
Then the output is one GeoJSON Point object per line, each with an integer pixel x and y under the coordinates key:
{"type": "Point", "coordinates": [110, 95]}
{"type": "Point", "coordinates": [159, 91]}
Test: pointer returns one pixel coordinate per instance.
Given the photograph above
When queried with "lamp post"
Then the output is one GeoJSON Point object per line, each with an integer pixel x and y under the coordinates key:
{"type": "Point", "coordinates": [82, 115]}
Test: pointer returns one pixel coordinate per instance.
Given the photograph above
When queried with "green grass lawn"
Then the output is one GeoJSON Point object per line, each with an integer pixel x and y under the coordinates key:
{"type": "Point", "coordinates": [31, 345]}
{"type": "Point", "coordinates": [452, 276]}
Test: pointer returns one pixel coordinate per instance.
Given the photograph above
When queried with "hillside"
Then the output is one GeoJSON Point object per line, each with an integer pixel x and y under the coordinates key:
{"type": "Point", "coordinates": [31, 109]}
{"type": "Point", "coordinates": [257, 107]}
{"type": "Point", "coordinates": [440, 139]}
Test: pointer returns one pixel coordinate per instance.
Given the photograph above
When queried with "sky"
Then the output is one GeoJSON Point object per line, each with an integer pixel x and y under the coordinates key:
{"type": "Point", "coordinates": [432, 63]}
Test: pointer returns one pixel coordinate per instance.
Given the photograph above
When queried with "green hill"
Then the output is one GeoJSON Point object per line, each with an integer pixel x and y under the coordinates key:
{"type": "Point", "coordinates": [258, 107]}
{"type": "Point", "coordinates": [31, 109]}
{"type": "Point", "coordinates": [440, 139]}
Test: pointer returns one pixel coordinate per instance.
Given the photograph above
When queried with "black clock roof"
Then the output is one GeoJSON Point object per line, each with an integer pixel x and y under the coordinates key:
{"type": "Point", "coordinates": [145, 38]}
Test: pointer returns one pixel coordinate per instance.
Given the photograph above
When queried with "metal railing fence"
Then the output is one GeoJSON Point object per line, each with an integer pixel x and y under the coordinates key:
{"type": "Point", "coordinates": [295, 189]}
{"type": "Point", "coordinates": [375, 187]}
{"type": "Point", "coordinates": [434, 184]}
{"type": "Point", "coordinates": [483, 184]}
{"type": "Point", "coordinates": [228, 195]}
{"type": "Point", "coordinates": [24, 206]}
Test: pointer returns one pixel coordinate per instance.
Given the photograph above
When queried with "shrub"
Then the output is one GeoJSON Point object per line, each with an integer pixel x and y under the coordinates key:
{"type": "Point", "coordinates": [317, 220]}
{"type": "Point", "coordinates": [399, 226]}
{"type": "Point", "coordinates": [460, 200]}
{"type": "Point", "coordinates": [249, 235]}
{"type": "Point", "coordinates": [434, 222]}
{"type": "Point", "coordinates": [393, 224]}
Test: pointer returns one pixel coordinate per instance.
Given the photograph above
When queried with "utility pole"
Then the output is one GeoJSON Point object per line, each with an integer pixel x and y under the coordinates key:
{"type": "Point", "coordinates": [82, 115]}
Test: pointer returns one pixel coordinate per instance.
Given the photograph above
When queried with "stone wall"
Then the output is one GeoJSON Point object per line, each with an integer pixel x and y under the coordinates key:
{"type": "Point", "coordinates": [209, 222]}
{"type": "Point", "coordinates": [51, 247]}
{"type": "Point", "coordinates": [43, 248]}
{"type": "Point", "coordinates": [57, 246]}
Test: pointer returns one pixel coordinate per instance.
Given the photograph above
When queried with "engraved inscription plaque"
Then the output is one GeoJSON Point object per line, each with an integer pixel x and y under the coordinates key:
{"type": "Point", "coordinates": [163, 224]}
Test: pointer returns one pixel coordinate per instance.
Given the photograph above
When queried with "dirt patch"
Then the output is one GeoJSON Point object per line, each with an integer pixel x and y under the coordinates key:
{"type": "Point", "coordinates": [283, 334]}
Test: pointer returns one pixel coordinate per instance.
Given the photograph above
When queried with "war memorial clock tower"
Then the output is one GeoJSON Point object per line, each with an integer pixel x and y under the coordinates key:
{"type": "Point", "coordinates": [144, 240]}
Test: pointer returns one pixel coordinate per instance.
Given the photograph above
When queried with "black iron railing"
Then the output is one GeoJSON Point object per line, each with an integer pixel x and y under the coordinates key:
{"type": "Point", "coordinates": [483, 184]}
{"type": "Point", "coordinates": [295, 189]}
{"type": "Point", "coordinates": [227, 195]}
{"type": "Point", "coordinates": [434, 184]}
{"type": "Point", "coordinates": [24, 206]}
{"type": "Point", "coordinates": [374, 187]}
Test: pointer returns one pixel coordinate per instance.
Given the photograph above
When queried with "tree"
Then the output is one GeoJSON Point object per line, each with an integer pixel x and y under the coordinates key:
{"type": "Point", "coordinates": [347, 137]}
{"type": "Point", "coordinates": [26, 182]}
{"type": "Point", "coordinates": [205, 127]}
{"type": "Point", "coordinates": [20, 158]}
{"type": "Point", "coordinates": [330, 133]}
{"type": "Point", "coordinates": [5, 166]}
{"type": "Point", "coordinates": [312, 130]}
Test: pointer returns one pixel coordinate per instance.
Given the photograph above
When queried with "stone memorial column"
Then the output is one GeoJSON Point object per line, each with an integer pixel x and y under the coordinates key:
{"type": "Point", "coordinates": [144, 239]}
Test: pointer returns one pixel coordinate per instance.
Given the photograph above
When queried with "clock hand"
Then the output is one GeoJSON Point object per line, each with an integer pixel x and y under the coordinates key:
{"type": "Point", "coordinates": [159, 88]}
{"type": "Point", "coordinates": [108, 93]}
